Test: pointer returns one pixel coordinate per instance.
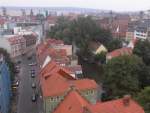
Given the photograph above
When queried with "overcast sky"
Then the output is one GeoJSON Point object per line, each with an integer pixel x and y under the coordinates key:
{"type": "Point", "coordinates": [117, 5]}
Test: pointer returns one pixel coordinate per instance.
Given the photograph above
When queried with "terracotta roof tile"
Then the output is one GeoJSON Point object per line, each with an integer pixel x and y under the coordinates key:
{"type": "Point", "coordinates": [120, 52]}
{"type": "Point", "coordinates": [56, 80]}
{"type": "Point", "coordinates": [75, 103]}
{"type": "Point", "coordinates": [117, 106]}
{"type": "Point", "coordinates": [16, 39]}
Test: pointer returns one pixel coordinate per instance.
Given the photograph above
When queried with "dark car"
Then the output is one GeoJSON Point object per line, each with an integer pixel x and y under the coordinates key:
{"type": "Point", "coordinates": [32, 71]}
{"type": "Point", "coordinates": [29, 57]}
{"type": "Point", "coordinates": [34, 98]}
{"type": "Point", "coordinates": [17, 70]}
{"type": "Point", "coordinates": [18, 62]}
{"type": "Point", "coordinates": [15, 83]}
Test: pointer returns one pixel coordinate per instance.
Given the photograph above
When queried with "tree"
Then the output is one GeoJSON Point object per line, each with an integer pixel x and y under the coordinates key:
{"type": "Point", "coordinates": [142, 49]}
{"type": "Point", "coordinates": [121, 76]}
{"type": "Point", "coordinates": [80, 31]}
{"type": "Point", "coordinates": [61, 30]}
{"type": "Point", "coordinates": [101, 57]}
{"type": "Point", "coordinates": [114, 44]}
{"type": "Point", "coordinates": [144, 99]}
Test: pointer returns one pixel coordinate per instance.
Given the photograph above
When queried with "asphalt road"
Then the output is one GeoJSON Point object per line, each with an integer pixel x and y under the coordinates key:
{"type": "Point", "coordinates": [25, 91]}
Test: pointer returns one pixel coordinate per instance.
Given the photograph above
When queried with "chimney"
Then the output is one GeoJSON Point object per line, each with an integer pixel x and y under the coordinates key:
{"type": "Point", "coordinates": [126, 100]}
{"type": "Point", "coordinates": [72, 87]}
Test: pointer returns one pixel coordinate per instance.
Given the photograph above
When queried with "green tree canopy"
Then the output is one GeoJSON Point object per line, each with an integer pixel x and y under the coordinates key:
{"type": "Point", "coordinates": [142, 49]}
{"type": "Point", "coordinates": [114, 44]}
{"type": "Point", "coordinates": [144, 99]}
{"type": "Point", "coordinates": [101, 57]}
{"type": "Point", "coordinates": [81, 31]}
{"type": "Point", "coordinates": [121, 76]}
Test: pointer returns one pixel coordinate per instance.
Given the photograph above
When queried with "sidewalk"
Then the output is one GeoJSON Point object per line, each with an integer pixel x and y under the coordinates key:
{"type": "Point", "coordinates": [13, 104]}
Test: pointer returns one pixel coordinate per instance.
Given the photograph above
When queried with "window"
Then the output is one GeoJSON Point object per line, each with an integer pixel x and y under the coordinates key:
{"type": "Point", "coordinates": [51, 99]}
{"type": "Point", "coordinates": [92, 91]}
{"type": "Point", "coordinates": [57, 97]}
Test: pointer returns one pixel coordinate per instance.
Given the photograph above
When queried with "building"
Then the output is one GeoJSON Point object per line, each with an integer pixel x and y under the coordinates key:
{"type": "Point", "coordinates": [120, 26]}
{"type": "Point", "coordinates": [130, 35]}
{"type": "Point", "coordinates": [138, 29]}
{"type": "Point", "coordinates": [118, 52]}
{"type": "Point", "coordinates": [56, 82]}
{"type": "Point", "coordinates": [97, 48]}
{"type": "Point", "coordinates": [76, 70]}
{"type": "Point", "coordinates": [18, 45]}
{"type": "Point", "coordinates": [5, 86]}
{"type": "Point", "coordinates": [138, 33]}
{"type": "Point", "coordinates": [14, 44]}
{"type": "Point", "coordinates": [117, 24]}
{"type": "Point", "coordinates": [30, 40]}
{"type": "Point", "coordinates": [63, 92]}
{"type": "Point", "coordinates": [75, 103]}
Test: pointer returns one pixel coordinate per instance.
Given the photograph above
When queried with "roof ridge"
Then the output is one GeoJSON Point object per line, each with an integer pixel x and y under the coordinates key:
{"type": "Point", "coordinates": [77, 95]}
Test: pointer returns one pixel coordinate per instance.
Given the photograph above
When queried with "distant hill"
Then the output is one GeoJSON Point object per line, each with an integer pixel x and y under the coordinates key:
{"type": "Point", "coordinates": [69, 9]}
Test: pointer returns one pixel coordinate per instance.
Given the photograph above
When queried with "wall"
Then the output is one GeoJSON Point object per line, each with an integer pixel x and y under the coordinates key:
{"type": "Point", "coordinates": [5, 88]}
{"type": "Point", "coordinates": [5, 44]}
{"type": "Point", "coordinates": [140, 35]}
{"type": "Point", "coordinates": [129, 36]}
{"type": "Point", "coordinates": [50, 103]}
{"type": "Point", "coordinates": [90, 95]}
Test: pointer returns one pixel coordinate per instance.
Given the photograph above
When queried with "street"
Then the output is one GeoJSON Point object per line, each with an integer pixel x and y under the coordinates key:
{"type": "Point", "coordinates": [25, 91]}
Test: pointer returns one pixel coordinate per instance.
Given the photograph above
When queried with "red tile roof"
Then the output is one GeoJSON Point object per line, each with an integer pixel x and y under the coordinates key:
{"type": "Point", "coordinates": [84, 84]}
{"type": "Point", "coordinates": [58, 55]}
{"type": "Point", "coordinates": [52, 19]}
{"type": "Point", "coordinates": [16, 39]}
{"type": "Point", "coordinates": [75, 103]}
{"type": "Point", "coordinates": [120, 52]}
{"type": "Point", "coordinates": [52, 41]}
{"type": "Point", "coordinates": [56, 80]}
{"type": "Point", "coordinates": [117, 106]}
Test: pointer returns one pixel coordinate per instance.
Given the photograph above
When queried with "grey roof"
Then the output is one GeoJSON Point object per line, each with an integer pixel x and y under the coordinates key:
{"type": "Point", "coordinates": [139, 25]}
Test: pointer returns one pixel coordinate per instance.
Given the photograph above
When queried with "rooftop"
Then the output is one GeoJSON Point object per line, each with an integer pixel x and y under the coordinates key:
{"type": "Point", "coordinates": [120, 52]}
{"type": "Point", "coordinates": [75, 103]}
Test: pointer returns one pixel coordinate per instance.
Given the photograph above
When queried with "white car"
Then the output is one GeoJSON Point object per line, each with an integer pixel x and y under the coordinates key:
{"type": "Point", "coordinates": [32, 64]}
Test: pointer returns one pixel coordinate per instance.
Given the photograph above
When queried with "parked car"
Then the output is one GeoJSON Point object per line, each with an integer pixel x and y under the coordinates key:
{"type": "Point", "coordinates": [15, 83]}
{"type": "Point", "coordinates": [32, 71]}
{"type": "Point", "coordinates": [18, 62]}
{"type": "Point", "coordinates": [29, 57]}
{"type": "Point", "coordinates": [32, 75]}
{"type": "Point", "coordinates": [33, 85]}
{"type": "Point", "coordinates": [34, 98]}
{"type": "Point", "coordinates": [32, 64]}
{"type": "Point", "coordinates": [17, 71]}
